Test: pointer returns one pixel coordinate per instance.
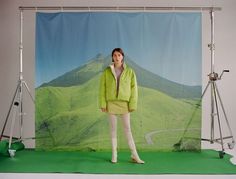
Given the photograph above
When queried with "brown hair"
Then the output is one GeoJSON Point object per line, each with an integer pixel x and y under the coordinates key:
{"type": "Point", "coordinates": [117, 50]}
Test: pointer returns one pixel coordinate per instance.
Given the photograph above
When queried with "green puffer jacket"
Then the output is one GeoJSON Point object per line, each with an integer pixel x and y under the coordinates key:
{"type": "Point", "coordinates": [127, 91]}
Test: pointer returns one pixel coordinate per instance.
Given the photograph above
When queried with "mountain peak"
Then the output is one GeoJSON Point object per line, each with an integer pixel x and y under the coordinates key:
{"type": "Point", "coordinates": [99, 56]}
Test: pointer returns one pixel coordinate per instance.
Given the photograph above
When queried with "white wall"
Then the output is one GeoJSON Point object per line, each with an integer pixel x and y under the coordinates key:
{"type": "Point", "coordinates": [225, 54]}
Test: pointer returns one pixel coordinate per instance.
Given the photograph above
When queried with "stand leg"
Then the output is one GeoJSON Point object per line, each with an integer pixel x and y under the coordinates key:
{"type": "Point", "coordinates": [203, 94]}
{"type": "Point", "coordinates": [223, 109]}
{"type": "Point", "coordinates": [16, 104]}
{"type": "Point", "coordinates": [232, 144]}
{"type": "Point", "coordinates": [209, 82]}
{"type": "Point", "coordinates": [23, 84]}
{"type": "Point", "coordinates": [193, 114]}
{"type": "Point", "coordinates": [26, 86]}
{"type": "Point", "coordinates": [9, 111]}
{"type": "Point", "coordinates": [218, 117]}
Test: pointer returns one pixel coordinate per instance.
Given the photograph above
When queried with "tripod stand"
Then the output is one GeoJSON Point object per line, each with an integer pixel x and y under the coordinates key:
{"type": "Point", "coordinates": [16, 106]}
{"type": "Point", "coordinates": [215, 96]}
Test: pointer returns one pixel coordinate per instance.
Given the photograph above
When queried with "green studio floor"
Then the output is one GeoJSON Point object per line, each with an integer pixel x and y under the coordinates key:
{"type": "Point", "coordinates": [30, 161]}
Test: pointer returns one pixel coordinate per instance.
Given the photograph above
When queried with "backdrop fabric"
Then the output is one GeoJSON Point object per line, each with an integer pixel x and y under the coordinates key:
{"type": "Point", "coordinates": [72, 50]}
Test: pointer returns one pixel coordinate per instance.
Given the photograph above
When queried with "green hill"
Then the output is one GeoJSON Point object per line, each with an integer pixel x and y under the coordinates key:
{"type": "Point", "coordinates": [68, 118]}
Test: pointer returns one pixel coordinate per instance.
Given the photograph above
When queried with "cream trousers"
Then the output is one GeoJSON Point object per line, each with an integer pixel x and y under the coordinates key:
{"type": "Point", "coordinates": [127, 130]}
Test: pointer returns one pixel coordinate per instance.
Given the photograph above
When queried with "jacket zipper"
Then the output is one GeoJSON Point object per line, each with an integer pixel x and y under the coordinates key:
{"type": "Point", "coordinates": [114, 75]}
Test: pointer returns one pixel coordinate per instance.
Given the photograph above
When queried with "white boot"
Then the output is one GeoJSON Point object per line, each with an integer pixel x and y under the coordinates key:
{"type": "Point", "coordinates": [114, 157]}
{"type": "Point", "coordinates": [136, 159]}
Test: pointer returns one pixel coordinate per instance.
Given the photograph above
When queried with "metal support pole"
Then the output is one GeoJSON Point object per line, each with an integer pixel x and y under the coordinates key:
{"type": "Point", "coordinates": [119, 8]}
{"type": "Point", "coordinates": [212, 48]}
{"type": "Point", "coordinates": [21, 75]}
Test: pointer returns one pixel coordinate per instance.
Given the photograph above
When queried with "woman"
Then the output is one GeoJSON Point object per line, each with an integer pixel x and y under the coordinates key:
{"type": "Point", "coordinates": [118, 96]}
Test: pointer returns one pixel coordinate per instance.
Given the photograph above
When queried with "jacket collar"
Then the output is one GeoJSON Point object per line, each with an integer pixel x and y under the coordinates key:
{"type": "Point", "coordinates": [112, 66]}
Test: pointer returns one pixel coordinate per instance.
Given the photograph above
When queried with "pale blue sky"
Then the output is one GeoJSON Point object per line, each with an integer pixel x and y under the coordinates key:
{"type": "Point", "coordinates": [168, 44]}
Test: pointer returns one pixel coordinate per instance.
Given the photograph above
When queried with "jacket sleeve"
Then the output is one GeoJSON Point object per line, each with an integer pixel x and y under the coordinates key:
{"type": "Point", "coordinates": [102, 91]}
{"type": "Point", "coordinates": [134, 93]}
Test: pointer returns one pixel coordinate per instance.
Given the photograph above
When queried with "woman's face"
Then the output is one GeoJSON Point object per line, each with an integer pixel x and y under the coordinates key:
{"type": "Point", "coordinates": [117, 57]}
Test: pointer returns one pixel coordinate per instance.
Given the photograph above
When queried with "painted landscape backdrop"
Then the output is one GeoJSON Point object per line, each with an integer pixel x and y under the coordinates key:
{"type": "Point", "coordinates": [72, 50]}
